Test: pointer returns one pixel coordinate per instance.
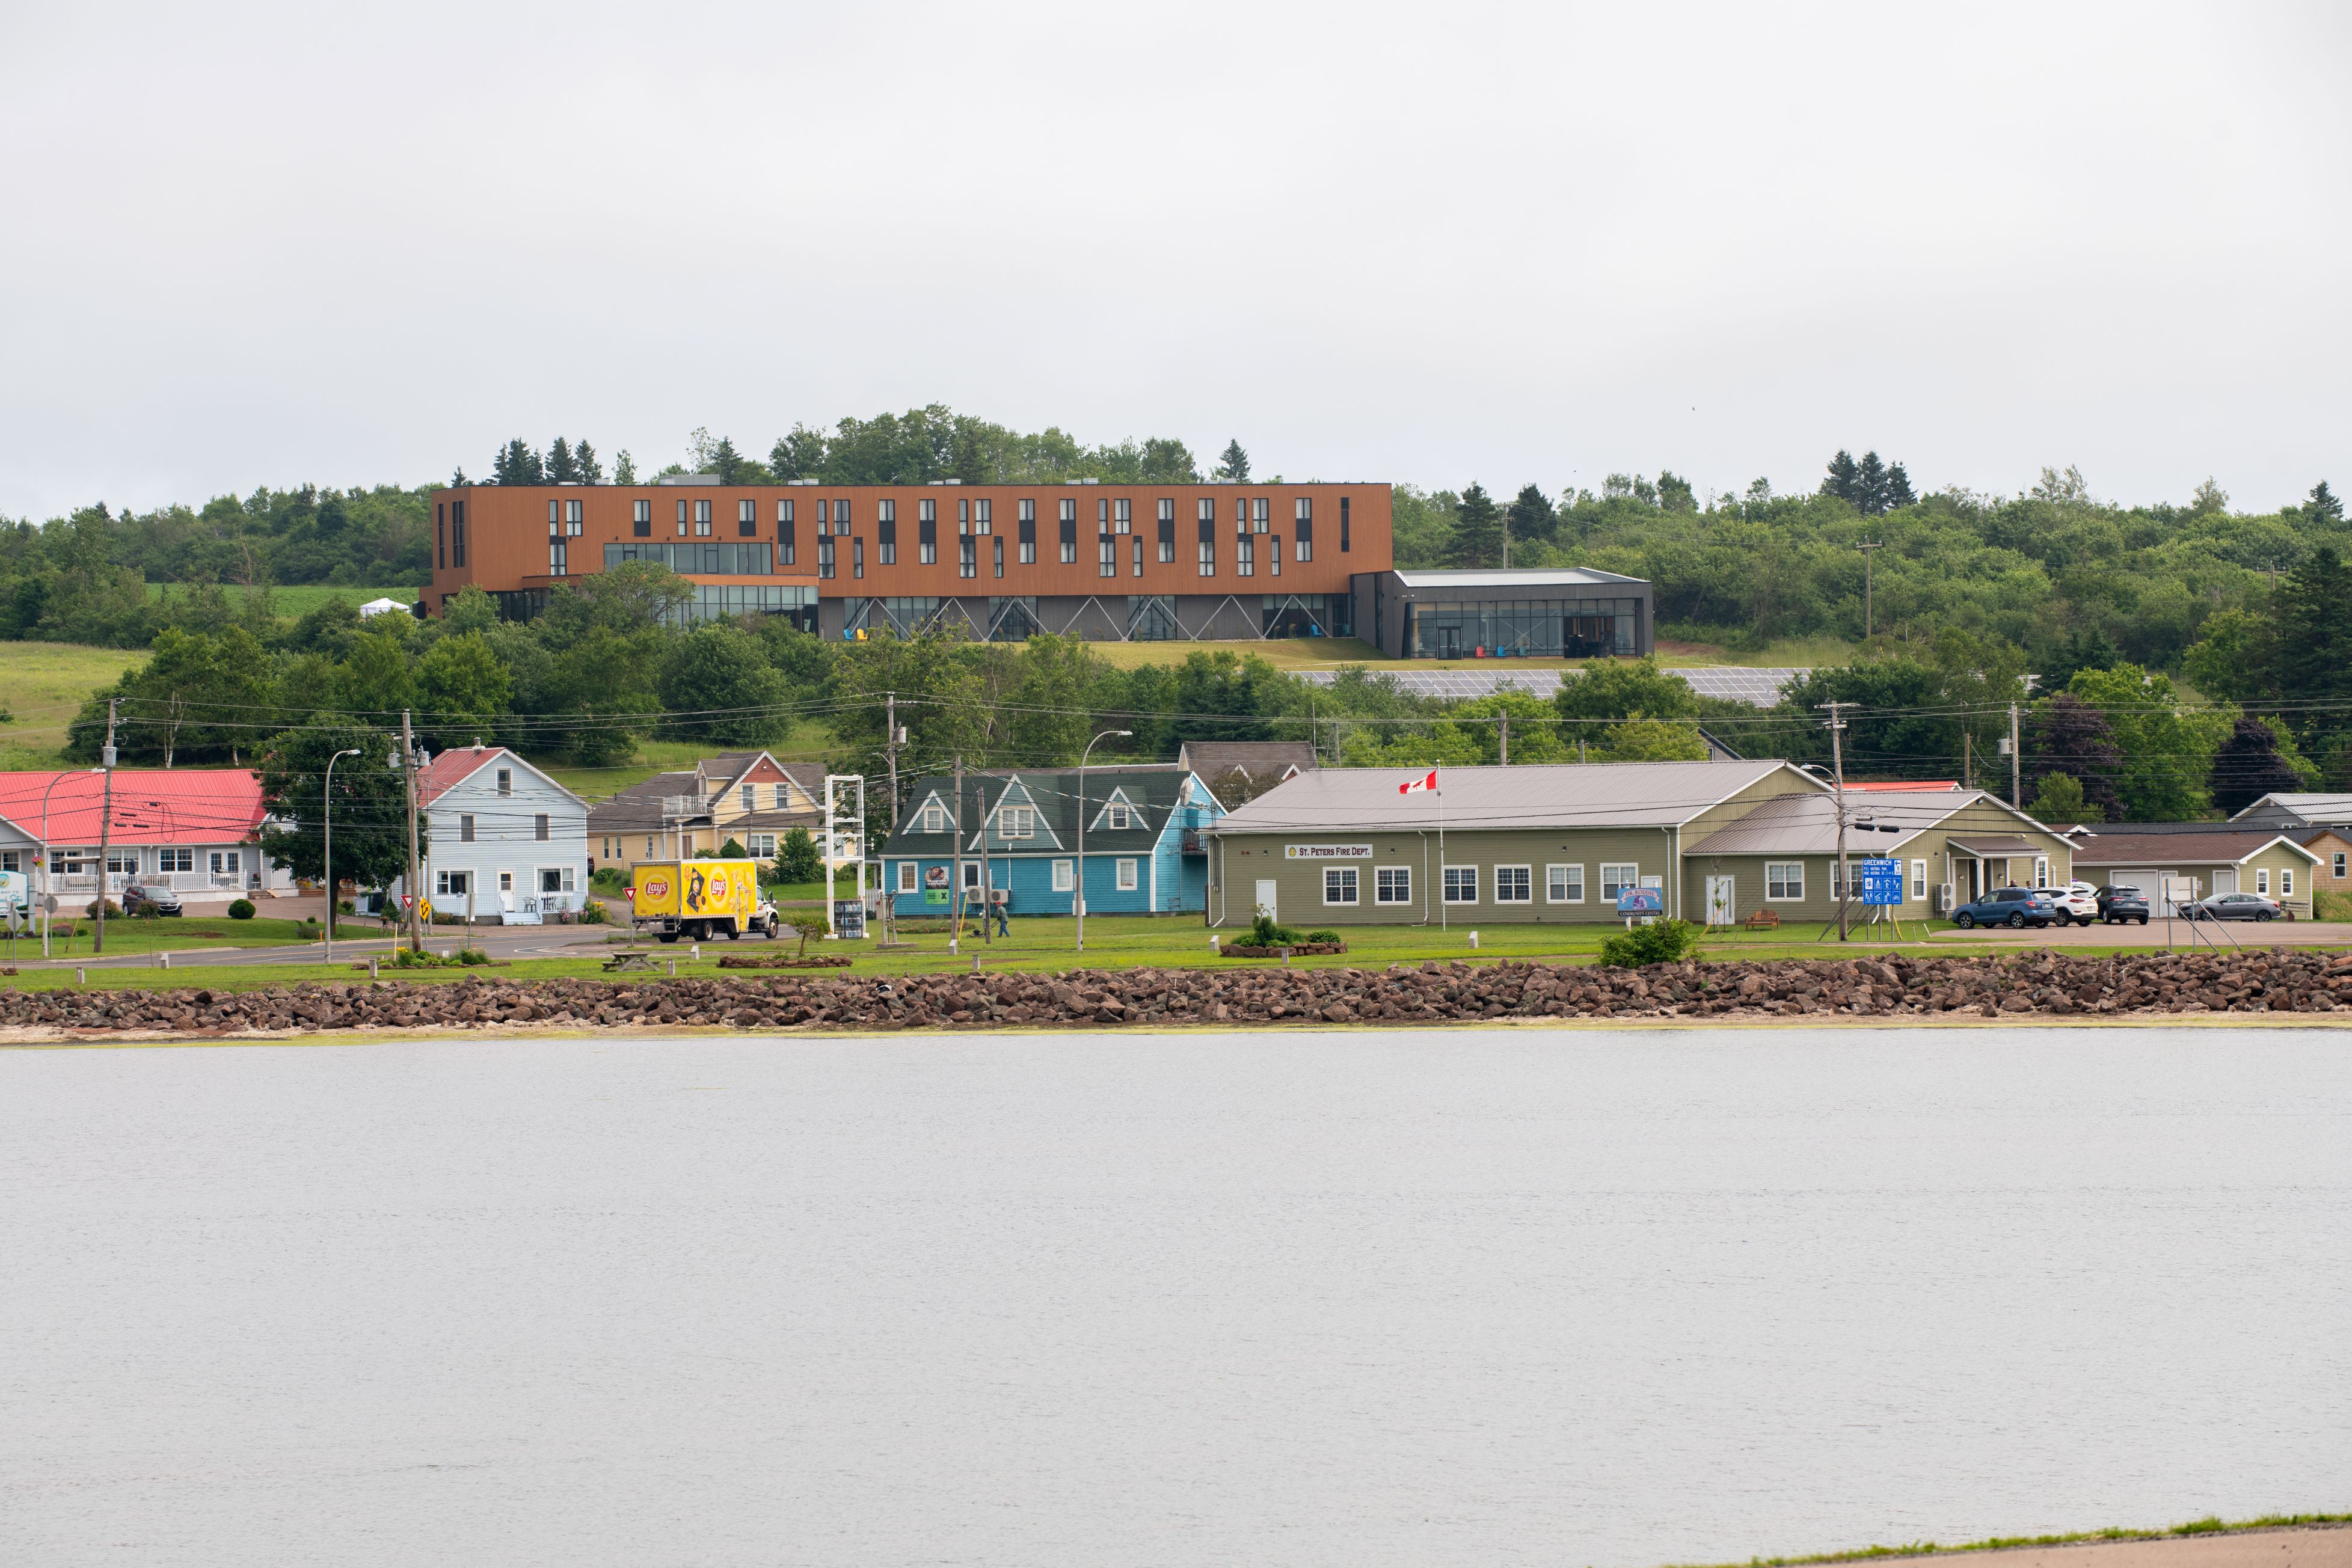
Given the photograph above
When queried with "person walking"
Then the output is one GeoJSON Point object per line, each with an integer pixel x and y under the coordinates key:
{"type": "Point", "coordinates": [997, 904]}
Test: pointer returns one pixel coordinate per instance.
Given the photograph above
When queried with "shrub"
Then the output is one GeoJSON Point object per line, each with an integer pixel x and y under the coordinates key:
{"type": "Point", "coordinates": [608, 879]}
{"type": "Point", "coordinates": [241, 910]}
{"type": "Point", "coordinates": [1661, 942]}
{"type": "Point", "coordinates": [732, 850]}
{"type": "Point", "coordinates": [473, 958]}
{"type": "Point", "coordinates": [797, 860]}
{"type": "Point", "coordinates": [592, 913]}
{"type": "Point", "coordinates": [1265, 933]}
{"type": "Point", "coordinates": [113, 910]}
{"type": "Point", "coordinates": [808, 925]}
{"type": "Point", "coordinates": [1331, 937]}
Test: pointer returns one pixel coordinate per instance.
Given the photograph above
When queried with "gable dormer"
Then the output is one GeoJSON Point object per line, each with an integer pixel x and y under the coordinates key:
{"type": "Point", "coordinates": [1017, 821]}
{"type": "Point", "coordinates": [1119, 813]}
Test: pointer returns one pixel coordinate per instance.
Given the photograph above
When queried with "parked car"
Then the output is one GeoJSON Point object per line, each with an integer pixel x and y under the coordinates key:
{"type": "Point", "coordinates": [2234, 907]}
{"type": "Point", "coordinates": [2013, 906]}
{"type": "Point", "coordinates": [2119, 905]}
{"type": "Point", "coordinates": [140, 896]}
{"type": "Point", "coordinates": [2077, 901]}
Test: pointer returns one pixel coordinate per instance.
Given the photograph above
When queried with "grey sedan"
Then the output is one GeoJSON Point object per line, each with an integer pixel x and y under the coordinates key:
{"type": "Point", "coordinates": [2234, 907]}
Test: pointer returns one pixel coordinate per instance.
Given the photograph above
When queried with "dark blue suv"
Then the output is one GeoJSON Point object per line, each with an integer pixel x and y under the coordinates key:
{"type": "Point", "coordinates": [2008, 906]}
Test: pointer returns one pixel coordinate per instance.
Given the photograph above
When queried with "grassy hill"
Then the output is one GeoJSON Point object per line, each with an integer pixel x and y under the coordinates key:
{"type": "Point", "coordinates": [45, 684]}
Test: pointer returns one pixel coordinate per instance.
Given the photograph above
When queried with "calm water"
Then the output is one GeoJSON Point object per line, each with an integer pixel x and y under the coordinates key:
{"type": "Point", "coordinates": [1348, 1299]}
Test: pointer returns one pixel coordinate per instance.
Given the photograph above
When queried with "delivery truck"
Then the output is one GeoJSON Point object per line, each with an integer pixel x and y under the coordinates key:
{"type": "Point", "coordinates": [699, 899]}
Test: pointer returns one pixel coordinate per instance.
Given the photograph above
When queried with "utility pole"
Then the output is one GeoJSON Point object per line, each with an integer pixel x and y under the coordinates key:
{"type": "Point", "coordinates": [2015, 797]}
{"type": "Point", "coordinates": [1837, 763]}
{"type": "Point", "coordinates": [416, 893]}
{"type": "Point", "coordinates": [105, 823]}
{"type": "Point", "coordinates": [1867, 548]}
{"type": "Point", "coordinates": [1507, 740]}
{"type": "Point", "coordinates": [1968, 758]}
{"type": "Point", "coordinates": [890, 750]}
{"type": "Point", "coordinates": [955, 899]}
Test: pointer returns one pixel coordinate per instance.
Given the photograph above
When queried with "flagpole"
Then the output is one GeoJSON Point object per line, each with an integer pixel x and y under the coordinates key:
{"type": "Point", "coordinates": [1439, 791]}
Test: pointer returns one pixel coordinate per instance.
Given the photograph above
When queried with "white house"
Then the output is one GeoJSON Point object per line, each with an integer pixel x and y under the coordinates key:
{"type": "Point", "coordinates": [193, 830]}
{"type": "Point", "coordinates": [506, 844]}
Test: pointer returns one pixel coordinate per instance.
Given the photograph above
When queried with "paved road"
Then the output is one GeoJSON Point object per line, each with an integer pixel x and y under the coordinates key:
{"type": "Point", "coordinates": [2245, 933]}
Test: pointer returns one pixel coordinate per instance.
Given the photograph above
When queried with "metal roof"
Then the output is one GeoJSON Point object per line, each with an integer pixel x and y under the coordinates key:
{"type": "Point", "coordinates": [150, 805]}
{"type": "Point", "coordinates": [2314, 807]}
{"type": "Point", "coordinates": [2157, 850]}
{"type": "Point", "coordinates": [1807, 824]}
{"type": "Point", "coordinates": [1559, 795]}
{"type": "Point", "coordinates": [1558, 577]}
{"type": "Point", "coordinates": [1756, 688]}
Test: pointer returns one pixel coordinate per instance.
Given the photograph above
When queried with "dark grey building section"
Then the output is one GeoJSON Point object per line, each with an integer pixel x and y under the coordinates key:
{"type": "Point", "coordinates": [1575, 614]}
{"type": "Point", "coordinates": [1098, 617]}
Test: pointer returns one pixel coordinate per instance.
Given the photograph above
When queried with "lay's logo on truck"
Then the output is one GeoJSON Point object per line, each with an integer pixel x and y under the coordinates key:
{"type": "Point", "coordinates": [697, 890]}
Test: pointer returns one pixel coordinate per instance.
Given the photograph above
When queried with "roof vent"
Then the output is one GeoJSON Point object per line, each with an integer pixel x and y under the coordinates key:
{"type": "Point", "coordinates": [477, 743]}
{"type": "Point", "coordinates": [686, 479]}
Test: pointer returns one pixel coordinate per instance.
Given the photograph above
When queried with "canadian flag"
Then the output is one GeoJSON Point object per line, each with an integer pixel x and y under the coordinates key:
{"type": "Point", "coordinates": [1428, 783]}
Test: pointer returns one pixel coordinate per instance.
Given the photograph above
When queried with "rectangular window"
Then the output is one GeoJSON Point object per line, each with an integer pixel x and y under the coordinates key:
{"type": "Point", "coordinates": [458, 534]}
{"type": "Point", "coordinates": [1208, 539]}
{"type": "Point", "coordinates": [906, 876]}
{"type": "Point", "coordinates": [168, 860]}
{"type": "Point", "coordinates": [449, 883]}
{"type": "Point", "coordinates": [856, 557]}
{"type": "Point", "coordinates": [787, 537]}
{"type": "Point", "coordinates": [1069, 532]}
{"type": "Point", "coordinates": [935, 819]}
{"type": "Point", "coordinates": [1166, 532]}
{"type": "Point", "coordinates": [1127, 878]}
{"type": "Point", "coordinates": [641, 518]}
{"type": "Point", "coordinates": [559, 558]}
{"type": "Point", "coordinates": [571, 521]}
{"type": "Point", "coordinates": [1615, 879]}
{"type": "Point", "coordinates": [1066, 876]}
{"type": "Point", "coordinates": [1784, 881]}
{"type": "Point", "coordinates": [967, 557]}
{"type": "Point", "coordinates": [1343, 524]}
{"type": "Point", "coordinates": [1244, 556]}
{"type": "Point", "coordinates": [1338, 884]}
{"type": "Point", "coordinates": [506, 782]}
{"type": "Point", "coordinates": [824, 555]}
{"type": "Point", "coordinates": [1514, 884]}
{"type": "Point", "coordinates": [681, 519]}
{"type": "Point", "coordinates": [1273, 553]}
{"type": "Point", "coordinates": [1462, 884]}
{"type": "Point", "coordinates": [886, 531]}
{"type": "Point", "coordinates": [747, 518]}
{"type": "Point", "coordinates": [1017, 821]}
{"type": "Point", "coordinates": [2042, 871]}
{"type": "Point", "coordinates": [841, 517]}
{"type": "Point", "coordinates": [2287, 882]}
{"type": "Point", "coordinates": [984, 514]}
{"type": "Point", "coordinates": [1107, 555]}
{"type": "Point", "coordinates": [763, 845]}
{"type": "Point", "coordinates": [2262, 881]}
{"type": "Point", "coordinates": [996, 554]}
{"type": "Point", "coordinates": [1918, 882]}
{"type": "Point", "coordinates": [539, 827]}
{"type": "Point", "coordinates": [2339, 865]}
{"type": "Point", "coordinates": [1259, 515]}
{"type": "Point", "coordinates": [1393, 884]}
{"type": "Point", "coordinates": [1563, 884]}
{"type": "Point", "coordinates": [1028, 533]}
{"type": "Point", "coordinates": [649, 846]}
{"type": "Point", "coordinates": [1302, 528]}
{"type": "Point", "coordinates": [1135, 548]}
{"type": "Point", "coordinates": [702, 519]}
{"type": "Point", "coordinates": [440, 540]}
{"type": "Point", "coordinates": [927, 540]}
{"type": "Point", "coordinates": [466, 828]}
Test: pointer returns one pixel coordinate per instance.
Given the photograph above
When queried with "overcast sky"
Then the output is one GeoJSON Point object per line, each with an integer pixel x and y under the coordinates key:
{"type": "Point", "coordinates": [256, 245]}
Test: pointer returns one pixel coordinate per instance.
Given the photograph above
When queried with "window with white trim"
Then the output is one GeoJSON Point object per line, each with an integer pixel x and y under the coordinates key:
{"type": "Point", "coordinates": [1515, 885]}
{"type": "Point", "coordinates": [2338, 866]}
{"type": "Point", "coordinates": [506, 780]}
{"type": "Point", "coordinates": [2287, 882]}
{"type": "Point", "coordinates": [449, 883]}
{"type": "Point", "coordinates": [1563, 884]}
{"type": "Point", "coordinates": [762, 846]}
{"type": "Point", "coordinates": [1017, 821]}
{"type": "Point", "coordinates": [935, 819]}
{"type": "Point", "coordinates": [1616, 878]}
{"type": "Point", "coordinates": [540, 828]}
{"type": "Point", "coordinates": [1784, 881]}
{"type": "Point", "coordinates": [1393, 884]}
{"type": "Point", "coordinates": [1126, 876]}
{"type": "Point", "coordinates": [1918, 882]}
{"type": "Point", "coordinates": [2042, 871]}
{"type": "Point", "coordinates": [1066, 876]}
{"type": "Point", "coordinates": [1340, 884]}
{"type": "Point", "coordinates": [165, 859]}
{"type": "Point", "coordinates": [906, 876]}
{"type": "Point", "coordinates": [1115, 816]}
{"type": "Point", "coordinates": [466, 828]}
{"type": "Point", "coordinates": [557, 879]}
{"type": "Point", "coordinates": [1462, 884]}
{"type": "Point", "coordinates": [2262, 880]}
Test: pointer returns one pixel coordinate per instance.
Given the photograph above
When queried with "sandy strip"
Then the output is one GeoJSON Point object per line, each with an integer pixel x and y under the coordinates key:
{"type": "Point", "coordinates": [2308, 1546]}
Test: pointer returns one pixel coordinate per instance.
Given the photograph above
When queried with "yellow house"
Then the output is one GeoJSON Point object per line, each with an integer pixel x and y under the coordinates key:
{"type": "Point", "coordinates": [745, 797]}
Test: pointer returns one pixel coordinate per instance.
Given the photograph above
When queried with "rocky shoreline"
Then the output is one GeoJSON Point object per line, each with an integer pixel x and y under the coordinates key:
{"type": "Point", "coordinates": [2022, 987]}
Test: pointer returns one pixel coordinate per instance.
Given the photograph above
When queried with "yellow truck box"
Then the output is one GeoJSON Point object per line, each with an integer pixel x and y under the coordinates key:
{"type": "Point", "coordinates": [710, 897]}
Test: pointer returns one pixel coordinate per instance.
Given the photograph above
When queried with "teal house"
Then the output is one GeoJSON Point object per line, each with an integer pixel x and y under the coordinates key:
{"type": "Point", "coordinates": [1017, 830]}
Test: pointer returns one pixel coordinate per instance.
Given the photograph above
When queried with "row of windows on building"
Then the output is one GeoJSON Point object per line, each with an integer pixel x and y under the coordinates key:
{"type": "Point", "coordinates": [170, 859]}
{"type": "Point", "coordinates": [1021, 821]}
{"type": "Point", "coordinates": [1127, 875]}
{"type": "Point", "coordinates": [1343, 886]}
{"type": "Point", "coordinates": [459, 885]}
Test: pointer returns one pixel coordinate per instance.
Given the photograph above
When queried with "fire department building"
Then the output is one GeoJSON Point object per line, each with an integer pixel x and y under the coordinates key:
{"type": "Point", "coordinates": [1117, 563]}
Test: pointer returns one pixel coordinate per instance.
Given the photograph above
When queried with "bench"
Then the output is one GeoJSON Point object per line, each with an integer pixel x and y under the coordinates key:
{"type": "Point", "coordinates": [625, 961]}
{"type": "Point", "coordinates": [1763, 920]}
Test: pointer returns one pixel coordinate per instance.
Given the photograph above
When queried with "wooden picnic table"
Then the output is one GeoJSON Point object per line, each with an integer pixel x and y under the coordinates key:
{"type": "Point", "coordinates": [629, 960]}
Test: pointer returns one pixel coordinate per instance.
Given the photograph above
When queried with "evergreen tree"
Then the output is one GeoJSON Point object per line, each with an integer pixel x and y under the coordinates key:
{"type": "Point", "coordinates": [2249, 766]}
{"type": "Point", "coordinates": [1843, 479]}
{"type": "Point", "coordinates": [1531, 516]}
{"type": "Point", "coordinates": [1233, 464]}
{"type": "Point", "coordinates": [731, 466]}
{"type": "Point", "coordinates": [458, 481]}
{"type": "Point", "coordinates": [1869, 495]}
{"type": "Point", "coordinates": [518, 464]}
{"type": "Point", "coordinates": [560, 468]}
{"type": "Point", "coordinates": [584, 457]}
{"type": "Point", "coordinates": [2323, 504]}
{"type": "Point", "coordinates": [1477, 529]}
{"type": "Point", "coordinates": [2315, 645]}
{"type": "Point", "coordinates": [1898, 488]}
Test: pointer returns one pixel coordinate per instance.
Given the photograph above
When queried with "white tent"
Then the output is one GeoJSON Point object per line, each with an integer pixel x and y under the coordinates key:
{"type": "Point", "coordinates": [383, 607]}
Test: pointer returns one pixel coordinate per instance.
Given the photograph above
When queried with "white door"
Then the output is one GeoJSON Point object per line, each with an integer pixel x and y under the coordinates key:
{"type": "Point", "coordinates": [1266, 898]}
{"type": "Point", "coordinates": [1722, 904]}
{"type": "Point", "coordinates": [2225, 879]}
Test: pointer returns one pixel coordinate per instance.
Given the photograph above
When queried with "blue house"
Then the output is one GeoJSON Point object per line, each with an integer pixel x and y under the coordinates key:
{"type": "Point", "coordinates": [1019, 833]}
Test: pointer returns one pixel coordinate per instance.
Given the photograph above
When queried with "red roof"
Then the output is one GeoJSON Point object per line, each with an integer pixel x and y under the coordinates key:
{"type": "Point", "coordinates": [1888, 786]}
{"type": "Point", "coordinates": [450, 769]}
{"type": "Point", "coordinates": [151, 805]}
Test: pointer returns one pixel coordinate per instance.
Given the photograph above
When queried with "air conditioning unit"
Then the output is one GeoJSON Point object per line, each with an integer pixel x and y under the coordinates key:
{"type": "Point", "coordinates": [1946, 899]}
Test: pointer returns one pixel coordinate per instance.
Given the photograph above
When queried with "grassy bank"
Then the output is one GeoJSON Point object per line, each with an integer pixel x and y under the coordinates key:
{"type": "Point", "coordinates": [2207, 1526]}
{"type": "Point", "coordinates": [45, 684]}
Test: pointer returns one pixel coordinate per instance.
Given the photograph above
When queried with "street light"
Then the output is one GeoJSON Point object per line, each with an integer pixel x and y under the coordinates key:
{"type": "Point", "coordinates": [1081, 899]}
{"type": "Point", "coordinates": [327, 804]}
{"type": "Point", "coordinates": [49, 859]}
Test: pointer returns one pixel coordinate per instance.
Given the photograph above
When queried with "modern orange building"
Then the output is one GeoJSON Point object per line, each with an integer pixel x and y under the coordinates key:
{"type": "Point", "coordinates": [1002, 561]}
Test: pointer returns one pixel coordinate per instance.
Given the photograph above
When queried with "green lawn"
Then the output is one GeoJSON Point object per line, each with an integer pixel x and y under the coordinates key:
{"type": "Point", "coordinates": [1037, 944]}
{"type": "Point", "coordinates": [299, 599]}
{"type": "Point", "coordinates": [73, 938]}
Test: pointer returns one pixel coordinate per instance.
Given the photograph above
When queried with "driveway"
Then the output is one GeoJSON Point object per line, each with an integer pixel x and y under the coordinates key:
{"type": "Point", "coordinates": [2220, 932]}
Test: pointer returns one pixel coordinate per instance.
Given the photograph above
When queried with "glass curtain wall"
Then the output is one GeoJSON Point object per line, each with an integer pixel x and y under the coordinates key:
{"type": "Point", "coordinates": [1523, 628]}
{"type": "Point", "coordinates": [1311, 615]}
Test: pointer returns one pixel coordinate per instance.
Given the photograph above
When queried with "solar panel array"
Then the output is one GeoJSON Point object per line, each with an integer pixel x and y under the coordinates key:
{"type": "Point", "coordinates": [1757, 688]}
